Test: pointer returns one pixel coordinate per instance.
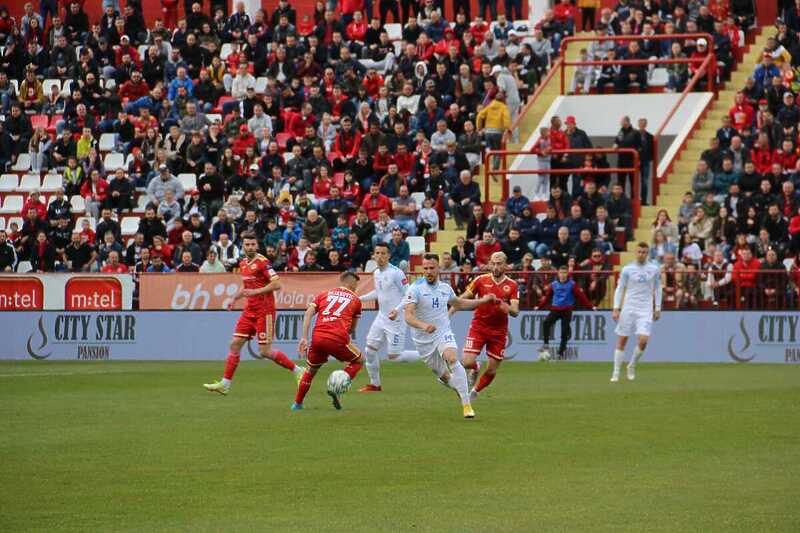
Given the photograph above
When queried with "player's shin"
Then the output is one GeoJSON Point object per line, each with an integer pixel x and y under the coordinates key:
{"type": "Point", "coordinates": [373, 367]}
{"type": "Point", "coordinates": [637, 354]}
{"type": "Point", "coordinates": [281, 359]}
{"type": "Point", "coordinates": [458, 380]}
{"type": "Point", "coordinates": [302, 388]}
{"type": "Point", "coordinates": [486, 378]}
{"type": "Point", "coordinates": [231, 363]}
{"type": "Point", "coordinates": [619, 358]}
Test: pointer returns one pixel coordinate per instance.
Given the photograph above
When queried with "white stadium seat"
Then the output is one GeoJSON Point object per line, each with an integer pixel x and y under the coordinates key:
{"type": "Point", "coordinates": [113, 161]}
{"type": "Point", "coordinates": [78, 203]}
{"type": "Point", "coordinates": [418, 198]}
{"type": "Point", "coordinates": [48, 84]}
{"type": "Point", "coordinates": [14, 220]}
{"type": "Point", "coordinates": [214, 117]}
{"type": "Point", "coordinates": [261, 85]}
{"type": "Point", "coordinates": [287, 156]}
{"type": "Point", "coordinates": [659, 77]}
{"type": "Point", "coordinates": [188, 180]}
{"type": "Point", "coordinates": [79, 223]}
{"type": "Point", "coordinates": [30, 182]}
{"type": "Point", "coordinates": [23, 163]}
{"type": "Point", "coordinates": [226, 50]}
{"type": "Point", "coordinates": [2, 223]}
{"type": "Point", "coordinates": [416, 245]}
{"type": "Point", "coordinates": [129, 225]}
{"type": "Point", "coordinates": [394, 30]}
{"type": "Point", "coordinates": [141, 203]}
{"type": "Point", "coordinates": [24, 266]}
{"type": "Point", "coordinates": [9, 182]}
{"type": "Point", "coordinates": [107, 141]}
{"type": "Point", "coordinates": [52, 182]}
{"type": "Point", "coordinates": [12, 204]}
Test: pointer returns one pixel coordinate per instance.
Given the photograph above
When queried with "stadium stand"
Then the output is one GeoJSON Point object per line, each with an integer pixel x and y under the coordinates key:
{"type": "Point", "coordinates": [372, 126]}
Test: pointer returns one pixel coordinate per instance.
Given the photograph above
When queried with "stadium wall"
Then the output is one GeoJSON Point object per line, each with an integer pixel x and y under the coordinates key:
{"type": "Point", "coordinates": [681, 336]}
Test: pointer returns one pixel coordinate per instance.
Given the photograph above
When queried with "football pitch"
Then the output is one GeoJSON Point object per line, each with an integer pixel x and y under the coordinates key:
{"type": "Point", "coordinates": [140, 446]}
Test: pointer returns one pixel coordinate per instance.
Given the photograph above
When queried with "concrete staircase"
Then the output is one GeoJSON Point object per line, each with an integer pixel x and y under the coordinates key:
{"type": "Point", "coordinates": [680, 178]}
{"type": "Point", "coordinates": [446, 238]}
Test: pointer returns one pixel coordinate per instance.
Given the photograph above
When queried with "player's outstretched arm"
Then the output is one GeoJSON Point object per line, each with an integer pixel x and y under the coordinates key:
{"type": "Point", "coordinates": [462, 304]}
{"type": "Point", "coordinates": [302, 346]}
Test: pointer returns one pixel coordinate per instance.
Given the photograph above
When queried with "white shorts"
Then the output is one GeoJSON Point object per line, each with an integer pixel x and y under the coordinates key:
{"type": "Point", "coordinates": [391, 332]}
{"type": "Point", "coordinates": [436, 346]}
{"type": "Point", "coordinates": [634, 322]}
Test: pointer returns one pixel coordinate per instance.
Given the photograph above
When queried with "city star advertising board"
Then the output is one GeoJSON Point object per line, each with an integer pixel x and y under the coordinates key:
{"type": "Point", "coordinates": [710, 337]}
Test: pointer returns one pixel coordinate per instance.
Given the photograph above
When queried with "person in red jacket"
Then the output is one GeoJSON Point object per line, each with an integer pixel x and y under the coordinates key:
{"type": "Point", "coordinates": [741, 106]}
{"type": "Point", "coordinates": [373, 82]}
{"type": "Point", "coordinates": [745, 271]}
{"type": "Point", "coordinates": [170, 10]}
{"type": "Point", "coordinates": [94, 192]}
{"type": "Point", "coordinates": [126, 48]}
{"type": "Point", "coordinates": [785, 156]}
{"type": "Point", "coordinates": [357, 30]}
{"type": "Point", "coordinates": [34, 202]}
{"type": "Point", "coordinates": [135, 87]}
{"type": "Point", "coordinates": [559, 141]}
{"type": "Point", "coordinates": [297, 122]}
{"type": "Point", "coordinates": [375, 202]}
{"type": "Point", "coordinates": [348, 8]}
{"type": "Point", "coordinates": [761, 155]}
{"type": "Point", "coordinates": [113, 266]}
{"type": "Point", "coordinates": [794, 234]}
{"type": "Point", "coordinates": [404, 160]}
{"type": "Point", "coordinates": [485, 249]}
{"type": "Point", "coordinates": [243, 141]}
{"type": "Point", "coordinates": [348, 141]}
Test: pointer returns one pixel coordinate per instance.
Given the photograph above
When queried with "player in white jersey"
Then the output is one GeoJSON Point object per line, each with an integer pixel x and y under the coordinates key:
{"type": "Point", "coordinates": [637, 304]}
{"type": "Point", "coordinates": [426, 312]}
{"type": "Point", "coordinates": [388, 327]}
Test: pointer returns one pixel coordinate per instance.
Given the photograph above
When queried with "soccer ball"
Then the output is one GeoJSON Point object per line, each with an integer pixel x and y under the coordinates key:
{"type": "Point", "coordinates": [339, 382]}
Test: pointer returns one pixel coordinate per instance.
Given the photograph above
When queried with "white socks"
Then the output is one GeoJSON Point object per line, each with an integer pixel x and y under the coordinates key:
{"type": "Point", "coordinates": [637, 354]}
{"type": "Point", "coordinates": [407, 356]}
{"type": "Point", "coordinates": [619, 358]}
{"type": "Point", "coordinates": [373, 367]}
{"type": "Point", "coordinates": [458, 381]}
{"type": "Point", "coordinates": [226, 382]}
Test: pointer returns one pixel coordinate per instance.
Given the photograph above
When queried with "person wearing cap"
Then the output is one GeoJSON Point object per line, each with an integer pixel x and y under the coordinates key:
{"type": "Point", "coordinates": [517, 202]}
{"type": "Point", "coordinates": [165, 181]}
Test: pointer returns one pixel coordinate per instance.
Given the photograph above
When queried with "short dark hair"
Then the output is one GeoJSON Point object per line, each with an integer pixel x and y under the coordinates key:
{"type": "Point", "coordinates": [348, 274]}
{"type": "Point", "coordinates": [564, 267]}
{"type": "Point", "coordinates": [431, 257]}
{"type": "Point", "coordinates": [382, 245]}
{"type": "Point", "coordinates": [642, 244]}
{"type": "Point", "coordinates": [249, 235]}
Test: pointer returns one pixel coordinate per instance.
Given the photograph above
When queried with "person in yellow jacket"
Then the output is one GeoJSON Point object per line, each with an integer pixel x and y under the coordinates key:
{"type": "Point", "coordinates": [494, 121]}
{"type": "Point", "coordinates": [31, 91]}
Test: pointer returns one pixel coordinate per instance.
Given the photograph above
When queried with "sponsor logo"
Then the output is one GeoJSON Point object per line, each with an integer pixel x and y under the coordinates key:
{"type": "Point", "coordinates": [21, 294]}
{"type": "Point", "coordinates": [771, 331]}
{"type": "Point", "coordinates": [92, 294]}
{"type": "Point", "coordinates": [91, 335]}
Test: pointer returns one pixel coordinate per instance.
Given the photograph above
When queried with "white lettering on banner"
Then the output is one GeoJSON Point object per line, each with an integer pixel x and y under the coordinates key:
{"type": "Point", "coordinates": [93, 301]}
{"type": "Point", "coordinates": [753, 337]}
{"type": "Point", "coordinates": [17, 300]}
{"type": "Point", "coordinates": [66, 291]}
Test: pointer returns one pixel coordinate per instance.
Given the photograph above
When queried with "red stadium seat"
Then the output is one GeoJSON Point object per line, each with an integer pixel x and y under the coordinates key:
{"type": "Point", "coordinates": [338, 179]}
{"type": "Point", "coordinates": [51, 127]}
{"type": "Point", "coordinates": [282, 139]}
{"type": "Point", "coordinates": [222, 100]}
{"type": "Point", "coordinates": [39, 121]}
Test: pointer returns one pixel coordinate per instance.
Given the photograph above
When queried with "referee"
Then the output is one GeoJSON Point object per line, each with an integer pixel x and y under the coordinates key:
{"type": "Point", "coordinates": [560, 297]}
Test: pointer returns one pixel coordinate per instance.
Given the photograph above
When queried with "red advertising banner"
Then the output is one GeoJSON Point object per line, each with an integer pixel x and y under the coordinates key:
{"type": "Point", "coordinates": [214, 291]}
{"type": "Point", "coordinates": [21, 293]}
{"type": "Point", "coordinates": [92, 294]}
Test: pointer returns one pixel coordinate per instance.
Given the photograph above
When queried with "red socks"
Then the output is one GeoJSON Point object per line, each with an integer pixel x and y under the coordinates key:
{"type": "Point", "coordinates": [484, 382]}
{"type": "Point", "coordinates": [302, 388]}
{"type": "Point", "coordinates": [230, 365]}
{"type": "Point", "coordinates": [352, 369]}
{"type": "Point", "coordinates": [282, 359]}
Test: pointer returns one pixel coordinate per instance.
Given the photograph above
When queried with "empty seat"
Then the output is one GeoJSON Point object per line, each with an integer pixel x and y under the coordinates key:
{"type": "Point", "coordinates": [52, 182]}
{"type": "Point", "coordinates": [188, 180]}
{"type": "Point", "coordinates": [2, 223]}
{"type": "Point", "coordinates": [78, 203]}
{"type": "Point", "coordinates": [659, 77]}
{"type": "Point", "coordinates": [129, 225]}
{"type": "Point", "coordinates": [214, 117]}
{"type": "Point", "coordinates": [418, 198]}
{"type": "Point", "coordinates": [23, 163]}
{"type": "Point", "coordinates": [12, 204]}
{"type": "Point", "coordinates": [281, 139]}
{"type": "Point", "coordinates": [9, 182]}
{"type": "Point", "coordinates": [394, 30]}
{"type": "Point", "coordinates": [141, 203]}
{"type": "Point", "coordinates": [24, 266]}
{"type": "Point", "coordinates": [30, 182]}
{"type": "Point", "coordinates": [113, 161]}
{"type": "Point", "coordinates": [287, 156]}
{"type": "Point", "coordinates": [226, 50]}
{"type": "Point", "coordinates": [416, 245]}
{"type": "Point", "coordinates": [261, 85]}
{"type": "Point", "coordinates": [39, 121]}
{"type": "Point", "coordinates": [107, 141]}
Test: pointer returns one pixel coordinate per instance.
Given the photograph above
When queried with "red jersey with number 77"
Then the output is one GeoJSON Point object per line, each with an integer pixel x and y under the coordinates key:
{"type": "Point", "coordinates": [336, 309]}
{"type": "Point", "coordinates": [489, 317]}
{"type": "Point", "coordinates": [257, 273]}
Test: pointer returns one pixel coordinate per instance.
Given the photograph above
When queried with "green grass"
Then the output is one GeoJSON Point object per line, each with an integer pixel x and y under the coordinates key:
{"type": "Point", "coordinates": [127, 446]}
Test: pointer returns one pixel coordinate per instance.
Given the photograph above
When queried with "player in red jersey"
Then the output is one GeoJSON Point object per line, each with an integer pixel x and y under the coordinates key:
{"type": "Point", "coordinates": [337, 313]}
{"type": "Point", "coordinates": [258, 317]}
{"type": "Point", "coordinates": [489, 325]}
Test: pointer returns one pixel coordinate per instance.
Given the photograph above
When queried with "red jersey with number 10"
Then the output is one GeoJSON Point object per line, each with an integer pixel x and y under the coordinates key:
{"type": "Point", "coordinates": [489, 317]}
{"type": "Point", "coordinates": [336, 309]}
{"type": "Point", "coordinates": [257, 273]}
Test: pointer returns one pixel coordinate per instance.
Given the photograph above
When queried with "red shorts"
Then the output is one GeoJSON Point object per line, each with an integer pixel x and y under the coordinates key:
{"type": "Point", "coordinates": [322, 347]}
{"type": "Point", "coordinates": [494, 342]}
{"type": "Point", "coordinates": [257, 324]}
